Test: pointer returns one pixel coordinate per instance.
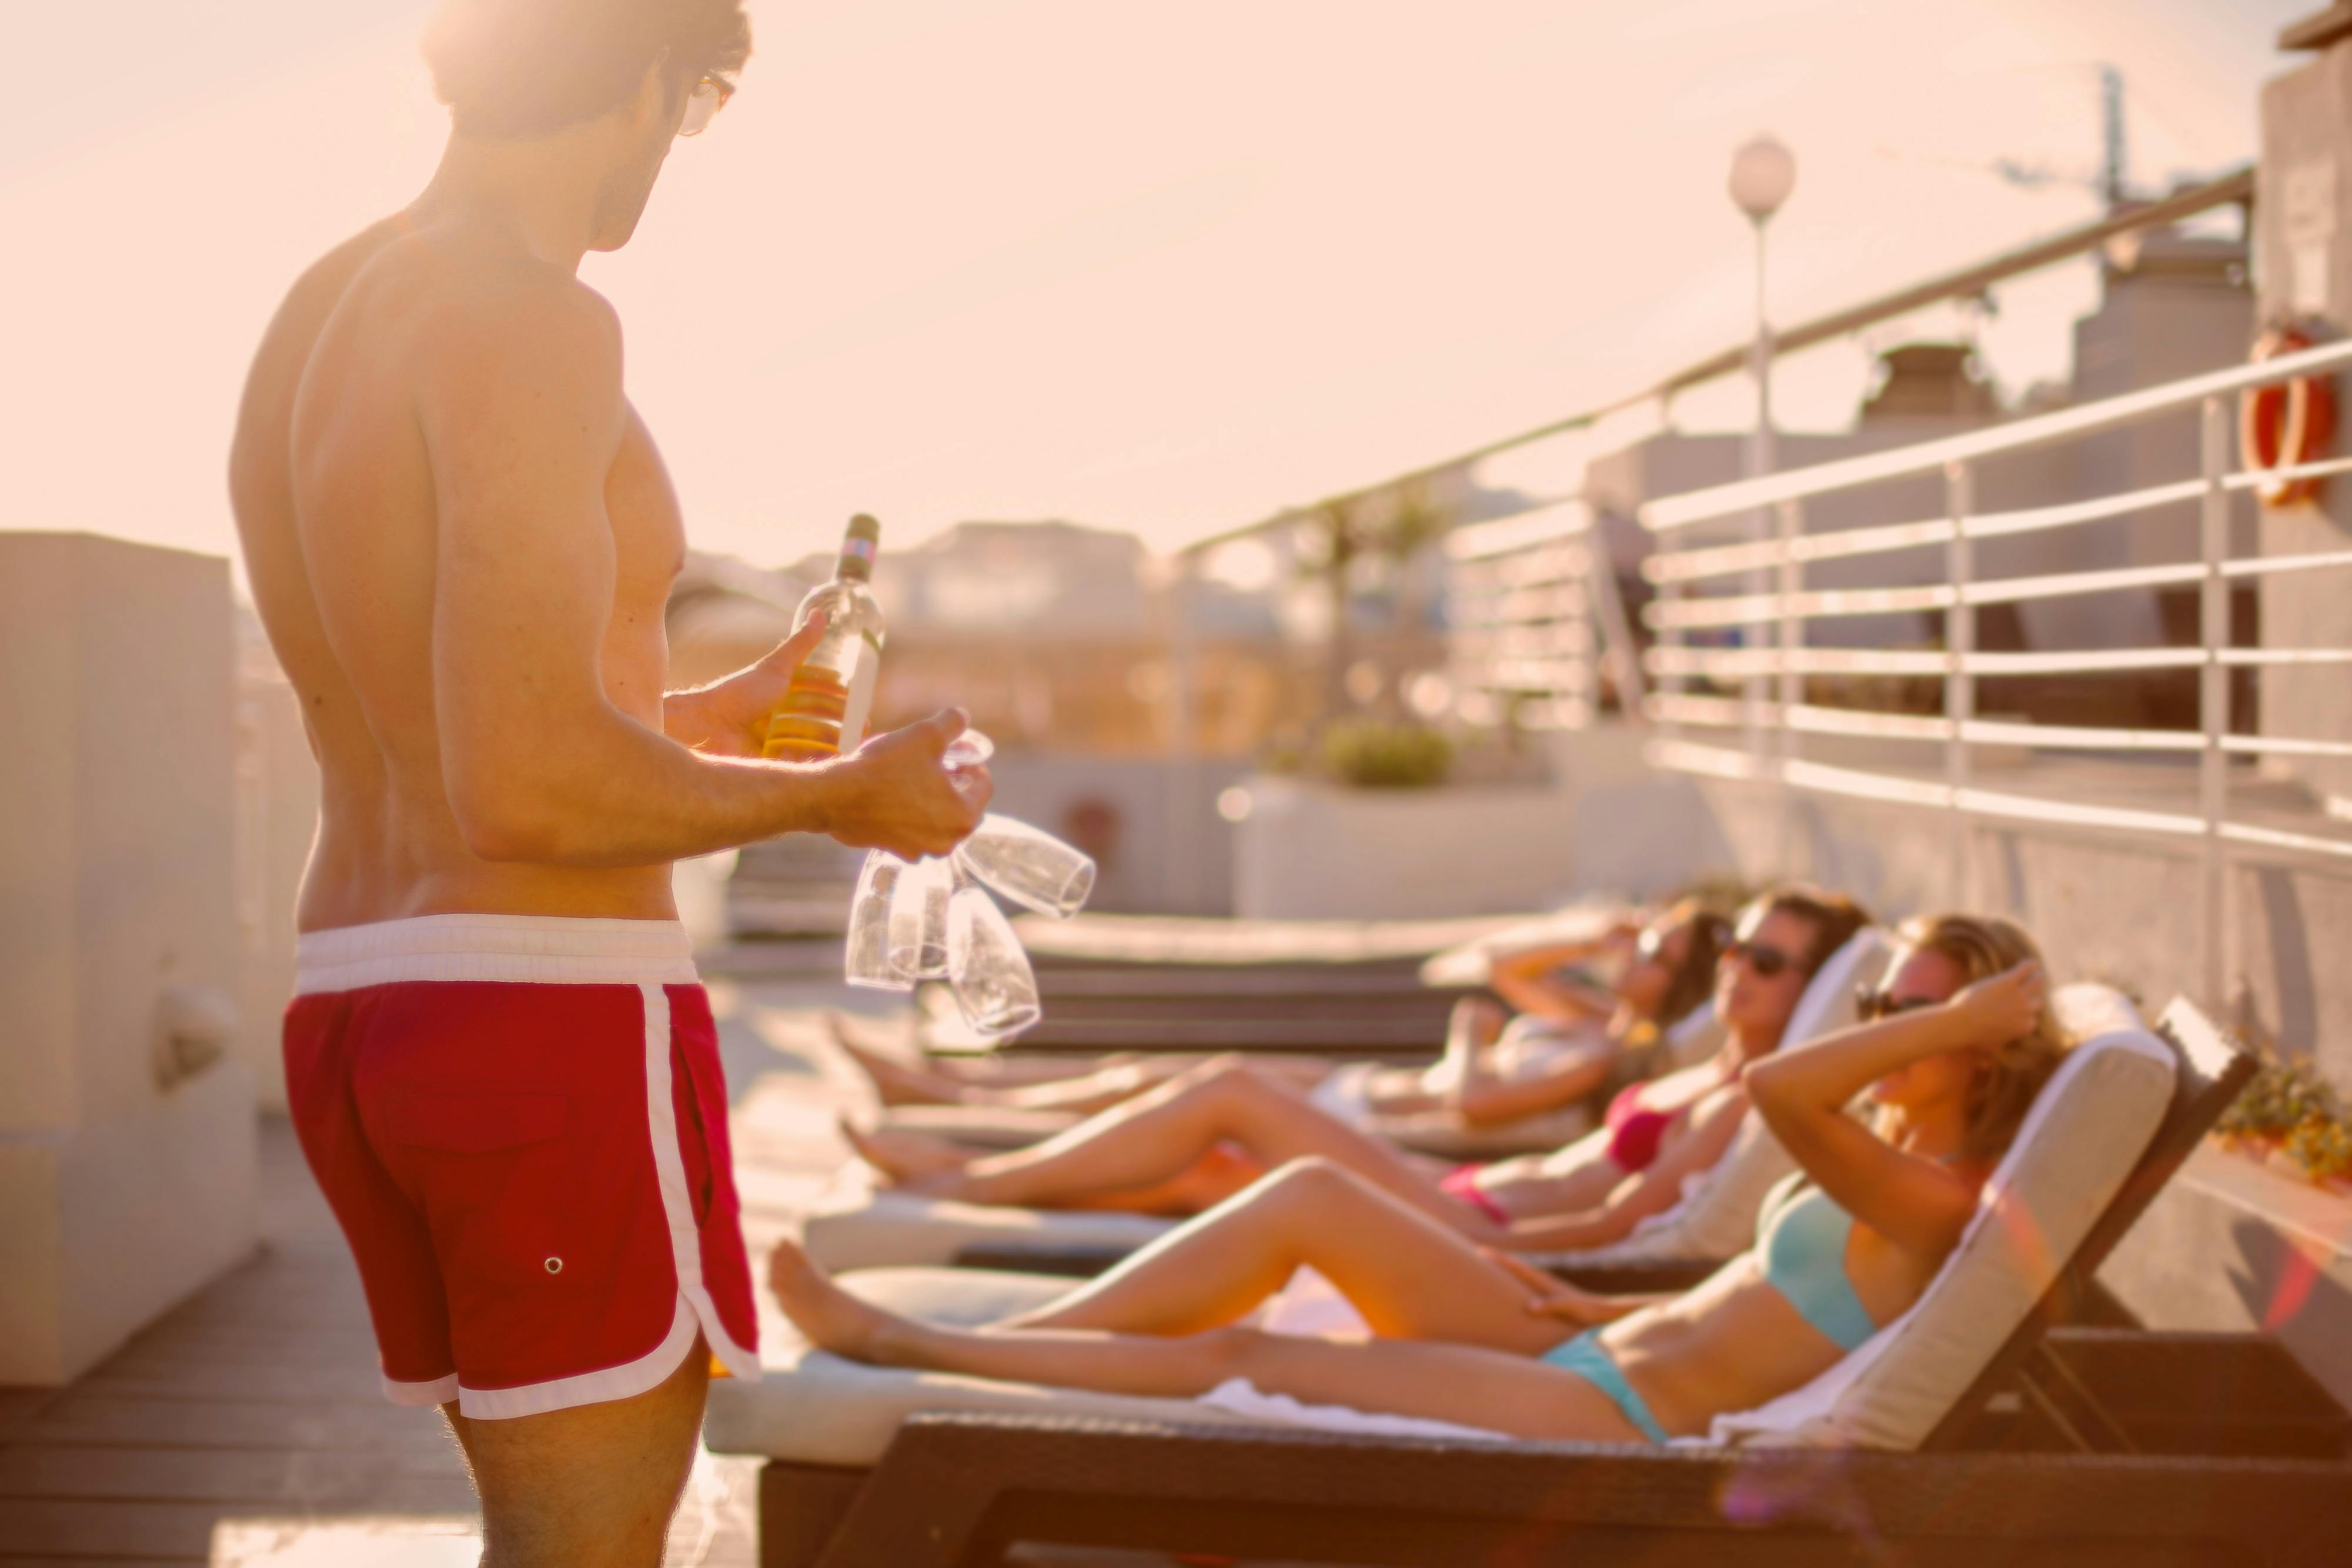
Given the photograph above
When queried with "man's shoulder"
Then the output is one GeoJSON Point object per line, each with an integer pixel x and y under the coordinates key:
{"type": "Point", "coordinates": [488, 309]}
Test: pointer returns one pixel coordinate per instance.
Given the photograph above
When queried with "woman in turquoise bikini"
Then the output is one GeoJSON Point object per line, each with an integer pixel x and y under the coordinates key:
{"type": "Point", "coordinates": [1954, 1047]}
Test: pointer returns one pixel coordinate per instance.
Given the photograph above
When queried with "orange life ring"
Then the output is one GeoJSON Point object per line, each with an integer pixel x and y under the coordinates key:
{"type": "Point", "coordinates": [2287, 424]}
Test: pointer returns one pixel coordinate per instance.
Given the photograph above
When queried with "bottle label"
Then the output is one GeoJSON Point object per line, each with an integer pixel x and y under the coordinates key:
{"type": "Point", "coordinates": [855, 549]}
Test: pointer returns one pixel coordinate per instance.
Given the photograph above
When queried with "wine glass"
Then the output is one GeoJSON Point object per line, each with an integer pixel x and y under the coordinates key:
{"type": "Point", "coordinates": [918, 920]}
{"type": "Point", "coordinates": [866, 956]}
{"type": "Point", "coordinates": [872, 955]}
{"type": "Point", "coordinates": [1032, 868]}
{"type": "Point", "coordinates": [994, 983]}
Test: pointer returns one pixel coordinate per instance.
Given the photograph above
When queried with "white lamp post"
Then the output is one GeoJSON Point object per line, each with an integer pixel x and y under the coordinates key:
{"type": "Point", "coordinates": [1762, 175]}
{"type": "Point", "coordinates": [1763, 172]}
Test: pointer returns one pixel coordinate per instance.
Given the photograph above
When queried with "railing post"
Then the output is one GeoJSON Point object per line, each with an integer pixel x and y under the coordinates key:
{"type": "Point", "coordinates": [1790, 686]}
{"type": "Point", "coordinates": [1959, 682]}
{"type": "Point", "coordinates": [1669, 643]}
{"type": "Point", "coordinates": [2213, 706]}
{"type": "Point", "coordinates": [1752, 643]}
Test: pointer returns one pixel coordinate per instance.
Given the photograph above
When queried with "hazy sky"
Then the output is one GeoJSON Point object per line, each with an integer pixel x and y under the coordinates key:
{"type": "Point", "coordinates": [1159, 267]}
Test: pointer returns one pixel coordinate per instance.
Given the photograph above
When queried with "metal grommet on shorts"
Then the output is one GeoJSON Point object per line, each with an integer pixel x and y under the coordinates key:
{"type": "Point", "coordinates": [555, 1265]}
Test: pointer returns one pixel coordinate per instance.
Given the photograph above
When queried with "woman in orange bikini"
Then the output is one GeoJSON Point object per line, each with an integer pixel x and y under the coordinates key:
{"type": "Point", "coordinates": [1195, 1141]}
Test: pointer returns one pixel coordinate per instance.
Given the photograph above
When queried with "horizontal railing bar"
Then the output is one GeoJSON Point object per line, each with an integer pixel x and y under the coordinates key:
{"type": "Point", "coordinates": [1688, 756]}
{"type": "Point", "coordinates": [2283, 746]}
{"type": "Point", "coordinates": [1737, 663]}
{"type": "Point", "coordinates": [1730, 712]}
{"type": "Point", "coordinates": [2077, 736]}
{"type": "Point", "coordinates": [2278, 838]}
{"type": "Point", "coordinates": [2262, 565]}
{"type": "Point", "coordinates": [1545, 524]}
{"type": "Point", "coordinates": [1740, 662]}
{"type": "Point", "coordinates": [1685, 707]}
{"type": "Point", "coordinates": [2241, 658]}
{"type": "Point", "coordinates": [1827, 603]}
{"type": "Point", "coordinates": [1931, 456]}
{"type": "Point", "coordinates": [1723, 560]}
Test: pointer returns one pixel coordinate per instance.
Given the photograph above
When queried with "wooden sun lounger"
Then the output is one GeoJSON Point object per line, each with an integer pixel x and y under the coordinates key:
{"type": "Point", "coordinates": [2078, 1449]}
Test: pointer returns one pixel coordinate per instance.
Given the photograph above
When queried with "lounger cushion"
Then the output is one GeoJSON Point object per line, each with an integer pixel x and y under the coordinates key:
{"type": "Point", "coordinates": [856, 1226]}
{"type": "Point", "coordinates": [2082, 1138]}
{"type": "Point", "coordinates": [818, 1409]}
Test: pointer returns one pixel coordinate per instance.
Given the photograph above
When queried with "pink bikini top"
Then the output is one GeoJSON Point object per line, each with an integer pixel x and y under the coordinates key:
{"type": "Point", "coordinates": [1635, 1131]}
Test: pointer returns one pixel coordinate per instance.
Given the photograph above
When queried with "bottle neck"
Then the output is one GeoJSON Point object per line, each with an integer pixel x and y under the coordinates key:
{"type": "Point", "coordinates": [856, 562]}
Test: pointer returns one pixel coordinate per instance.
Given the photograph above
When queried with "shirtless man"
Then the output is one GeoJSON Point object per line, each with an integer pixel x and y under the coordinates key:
{"type": "Point", "coordinates": [461, 540]}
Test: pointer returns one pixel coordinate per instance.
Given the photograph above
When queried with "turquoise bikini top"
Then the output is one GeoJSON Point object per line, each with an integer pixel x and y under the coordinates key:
{"type": "Point", "coordinates": [1802, 1243]}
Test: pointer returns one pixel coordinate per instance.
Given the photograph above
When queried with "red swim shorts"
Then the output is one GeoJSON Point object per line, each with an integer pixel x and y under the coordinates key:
{"type": "Point", "coordinates": [520, 1122]}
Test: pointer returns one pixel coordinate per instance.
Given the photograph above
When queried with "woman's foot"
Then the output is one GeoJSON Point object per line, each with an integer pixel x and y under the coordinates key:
{"type": "Point", "coordinates": [828, 1316]}
{"type": "Point", "coordinates": [896, 1082]}
{"type": "Point", "coordinates": [910, 1161]}
{"type": "Point", "coordinates": [1476, 1021]}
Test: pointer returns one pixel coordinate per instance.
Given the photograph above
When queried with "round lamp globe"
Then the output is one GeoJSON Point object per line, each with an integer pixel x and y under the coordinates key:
{"type": "Point", "coordinates": [1763, 172]}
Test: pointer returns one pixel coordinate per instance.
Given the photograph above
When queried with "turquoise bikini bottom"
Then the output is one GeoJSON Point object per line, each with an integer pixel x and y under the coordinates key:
{"type": "Point", "coordinates": [1584, 1356]}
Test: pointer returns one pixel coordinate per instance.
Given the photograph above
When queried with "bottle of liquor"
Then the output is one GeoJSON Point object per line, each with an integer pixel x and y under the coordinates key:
{"type": "Point", "coordinates": [824, 711]}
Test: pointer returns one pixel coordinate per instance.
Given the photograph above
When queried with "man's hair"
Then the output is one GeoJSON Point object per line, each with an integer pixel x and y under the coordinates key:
{"type": "Point", "coordinates": [527, 67]}
{"type": "Point", "coordinates": [1834, 918]}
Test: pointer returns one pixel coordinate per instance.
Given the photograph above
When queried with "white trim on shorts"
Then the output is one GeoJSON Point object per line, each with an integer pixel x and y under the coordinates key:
{"type": "Point", "coordinates": [678, 1204]}
{"type": "Point", "coordinates": [526, 949]}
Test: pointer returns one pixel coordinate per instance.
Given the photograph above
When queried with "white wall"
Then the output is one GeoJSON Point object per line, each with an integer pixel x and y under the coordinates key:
{"type": "Point", "coordinates": [118, 1193]}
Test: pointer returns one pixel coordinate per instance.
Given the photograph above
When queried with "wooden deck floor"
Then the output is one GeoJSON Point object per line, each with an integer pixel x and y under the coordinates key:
{"type": "Point", "coordinates": [247, 1426]}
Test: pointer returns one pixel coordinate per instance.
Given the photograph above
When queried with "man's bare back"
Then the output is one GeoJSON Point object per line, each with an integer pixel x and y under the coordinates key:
{"type": "Point", "coordinates": [426, 367]}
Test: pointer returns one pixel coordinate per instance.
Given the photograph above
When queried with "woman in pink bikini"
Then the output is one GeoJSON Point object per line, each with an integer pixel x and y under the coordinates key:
{"type": "Point", "coordinates": [1198, 1139]}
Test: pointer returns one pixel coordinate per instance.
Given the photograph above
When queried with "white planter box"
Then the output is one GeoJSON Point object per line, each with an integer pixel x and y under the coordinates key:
{"type": "Point", "coordinates": [1317, 851]}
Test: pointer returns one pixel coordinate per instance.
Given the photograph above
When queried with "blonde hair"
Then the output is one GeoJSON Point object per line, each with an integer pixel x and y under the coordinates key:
{"type": "Point", "coordinates": [1981, 946]}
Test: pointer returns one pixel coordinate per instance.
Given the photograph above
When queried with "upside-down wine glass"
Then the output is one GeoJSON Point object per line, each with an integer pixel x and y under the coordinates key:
{"type": "Point", "coordinates": [987, 966]}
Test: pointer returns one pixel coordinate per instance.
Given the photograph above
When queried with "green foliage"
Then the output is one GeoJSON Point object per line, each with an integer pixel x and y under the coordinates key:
{"type": "Point", "coordinates": [2281, 1097]}
{"type": "Point", "coordinates": [2321, 1145]}
{"type": "Point", "coordinates": [1386, 753]}
{"type": "Point", "coordinates": [2289, 1104]}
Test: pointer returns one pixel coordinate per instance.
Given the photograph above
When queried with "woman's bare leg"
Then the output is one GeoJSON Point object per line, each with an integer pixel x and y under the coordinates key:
{"type": "Point", "coordinates": [1159, 1135]}
{"type": "Point", "coordinates": [1468, 1385]}
{"type": "Point", "coordinates": [1411, 1277]}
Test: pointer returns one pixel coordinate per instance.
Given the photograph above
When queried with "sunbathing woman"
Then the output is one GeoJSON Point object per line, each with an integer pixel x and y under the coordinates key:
{"type": "Point", "coordinates": [1194, 1142]}
{"type": "Point", "coordinates": [1492, 1072]}
{"type": "Point", "coordinates": [1957, 1045]}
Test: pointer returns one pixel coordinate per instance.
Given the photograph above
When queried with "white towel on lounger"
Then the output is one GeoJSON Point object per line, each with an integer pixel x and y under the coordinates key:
{"type": "Point", "coordinates": [1245, 1399]}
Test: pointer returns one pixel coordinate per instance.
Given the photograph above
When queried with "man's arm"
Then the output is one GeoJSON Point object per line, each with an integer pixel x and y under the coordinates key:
{"type": "Point", "coordinates": [521, 411]}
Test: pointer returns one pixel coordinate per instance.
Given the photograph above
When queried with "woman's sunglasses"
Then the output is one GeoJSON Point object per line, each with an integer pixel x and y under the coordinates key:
{"type": "Point", "coordinates": [1874, 1003]}
{"type": "Point", "coordinates": [1769, 963]}
{"type": "Point", "coordinates": [703, 104]}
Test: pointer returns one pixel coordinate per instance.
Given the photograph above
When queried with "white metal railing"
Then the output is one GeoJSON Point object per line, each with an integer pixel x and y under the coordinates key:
{"type": "Point", "coordinates": [1754, 586]}
{"type": "Point", "coordinates": [1535, 620]}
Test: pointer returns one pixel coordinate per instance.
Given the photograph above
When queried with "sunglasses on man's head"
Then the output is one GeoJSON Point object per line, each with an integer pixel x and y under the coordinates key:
{"type": "Point", "coordinates": [703, 104]}
{"type": "Point", "coordinates": [1874, 1003]}
{"type": "Point", "coordinates": [1769, 963]}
